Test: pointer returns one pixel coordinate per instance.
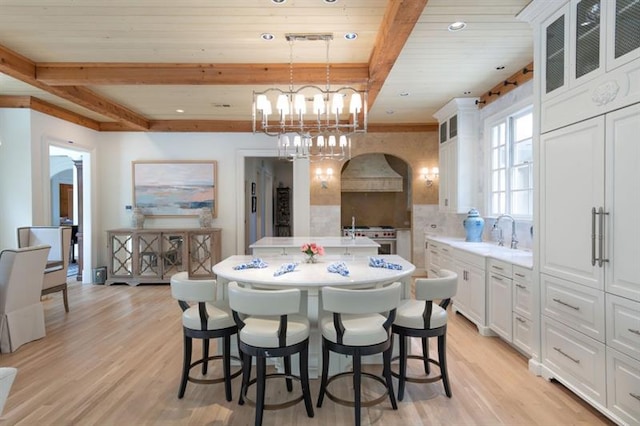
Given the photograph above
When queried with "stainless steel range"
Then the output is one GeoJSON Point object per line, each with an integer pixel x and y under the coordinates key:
{"type": "Point", "coordinates": [383, 235]}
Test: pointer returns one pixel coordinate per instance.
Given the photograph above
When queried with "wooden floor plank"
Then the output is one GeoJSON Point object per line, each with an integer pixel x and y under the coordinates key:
{"type": "Point", "coordinates": [115, 359]}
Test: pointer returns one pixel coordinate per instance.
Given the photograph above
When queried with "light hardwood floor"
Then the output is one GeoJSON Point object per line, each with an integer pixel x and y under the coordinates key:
{"type": "Point", "coordinates": [115, 359]}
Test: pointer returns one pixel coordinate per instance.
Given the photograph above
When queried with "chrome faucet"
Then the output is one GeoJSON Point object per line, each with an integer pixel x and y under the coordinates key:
{"type": "Point", "coordinates": [514, 237]}
{"type": "Point", "coordinates": [352, 234]}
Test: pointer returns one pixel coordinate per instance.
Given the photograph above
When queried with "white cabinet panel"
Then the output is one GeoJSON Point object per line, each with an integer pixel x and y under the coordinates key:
{"type": "Point", "coordinates": [575, 359]}
{"type": "Point", "coordinates": [522, 292]}
{"type": "Point", "coordinates": [623, 325]}
{"type": "Point", "coordinates": [623, 386]}
{"type": "Point", "coordinates": [572, 184]}
{"type": "Point", "coordinates": [500, 311]}
{"type": "Point", "coordinates": [623, 202]}
{"type": "Point", "coordinates": [579, 307]}
{"type": "Point", "coordinates": [523, 334]}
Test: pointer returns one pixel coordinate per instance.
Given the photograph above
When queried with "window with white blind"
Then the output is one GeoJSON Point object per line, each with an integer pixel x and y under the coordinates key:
{"type": "Point", "coordinates": [511, 165]}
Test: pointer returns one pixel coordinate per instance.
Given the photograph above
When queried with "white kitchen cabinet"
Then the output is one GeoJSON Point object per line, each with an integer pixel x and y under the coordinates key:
{"type": "Point", "coordinates": [522, 292]}
{"type": "Point", "coordinates": [459, 150]}
{"type": "Point", "coordinates": [623, 325]}
{"type": "Point", "coordinates": [588, 104]}
{"type": "Point", "coordinates": [500, 298]}
{"type": "Point", "coordinates": [523, 334]}
{"type": "Point", "coordinates": [470, 299]}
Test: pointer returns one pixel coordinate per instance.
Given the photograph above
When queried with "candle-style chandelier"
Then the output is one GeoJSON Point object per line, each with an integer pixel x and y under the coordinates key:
{"type": "Point", "coordinates": [311, 122]}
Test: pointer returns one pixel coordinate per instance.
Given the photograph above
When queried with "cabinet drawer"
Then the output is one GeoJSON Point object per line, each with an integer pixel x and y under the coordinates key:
{"type": "Point", "coordinates": [469, 258]}
{"type": "Point", "coordinates": [623, 325]}
{"type": "Point", "coordinates": [522, 333]}
{"type": "Point", "coordinates": [575, 359]}
{"type": "Point", "coordinates": [575, 305]}
{"type": "Point", "coordinates": [623, 386]}
{"type": "Point", "coordinates": [522, 297]}
{"type": "Point", "coordinates": [499, 267]}
{"type": "Point", "coordinates": [522, 274]}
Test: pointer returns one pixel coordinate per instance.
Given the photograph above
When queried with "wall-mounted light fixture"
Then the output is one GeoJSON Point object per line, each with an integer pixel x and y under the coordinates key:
{"type": "Point", "coordinates": [324, 176]}
{"type": "Point", "coordinates": [429, 175]}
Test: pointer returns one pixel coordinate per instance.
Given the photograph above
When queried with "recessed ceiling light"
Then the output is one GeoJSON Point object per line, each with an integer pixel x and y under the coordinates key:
{"type": "Point", "coordinates": [278, 1]}
{"type": "Point", "coordinates": [331, 1]}
{"type": "Point", "coordinates": [390, 112]}
{"type": "Point", "coordinates": [179, 110]}
{"type": "Point", "coordinates": [500, 67]}
{"type": "Point", "coordinates": [404, 94]}
{"type": "Point", "coordinates": [267, 36]}
{"type": "Point", "coordinates": [468, 92]}
{"type": "Point", "coordinates": [350, 36]}
{"type": "Point", "coordinates": [457, 26]}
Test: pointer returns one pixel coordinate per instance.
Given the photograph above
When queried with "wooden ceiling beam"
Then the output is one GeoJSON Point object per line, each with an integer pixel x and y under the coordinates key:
{"type": "Point", "coordinates": [23, 69]}
{"type": "Point", "coordinates": [398, 22]}
{"type": "Point", "coordinates": [84, 74]}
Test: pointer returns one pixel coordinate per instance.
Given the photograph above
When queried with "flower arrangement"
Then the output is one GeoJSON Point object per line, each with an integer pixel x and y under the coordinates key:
{"type": "Point", "coordinates": [312, 250]}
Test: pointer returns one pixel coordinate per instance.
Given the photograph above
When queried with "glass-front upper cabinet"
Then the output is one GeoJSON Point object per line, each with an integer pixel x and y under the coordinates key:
{"type": "Point", "coordinates": [555, 51]}
{"type": "Point", "coordinates": [587, 40]}
{"type": "Point", "coordinates": [623, 40]}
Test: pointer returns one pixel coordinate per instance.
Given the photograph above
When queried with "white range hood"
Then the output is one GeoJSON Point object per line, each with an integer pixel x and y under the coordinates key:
{"type": "Point", "coordinates": [370, 173]}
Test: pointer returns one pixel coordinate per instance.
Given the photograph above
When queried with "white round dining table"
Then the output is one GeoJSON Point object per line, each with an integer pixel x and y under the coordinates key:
{"type": "Point", "coordinates": [310, 278]}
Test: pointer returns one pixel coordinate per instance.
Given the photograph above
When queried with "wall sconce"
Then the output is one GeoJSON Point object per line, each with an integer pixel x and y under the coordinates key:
{"type": "Point", "coordinates": [324, 177]}
{"type": "Point", "coordinates": [429, 175]}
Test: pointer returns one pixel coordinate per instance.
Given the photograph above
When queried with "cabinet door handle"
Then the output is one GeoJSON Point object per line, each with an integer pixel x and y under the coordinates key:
{"type": "Point", "coordinates": [520, 320]}
{"type": "Point", "coordinates": [434, 272]}
{"type": "Point", "coordinates": [635, 331]}
{"type": "Point", "coordinates": [577, 308]}
{"type": "Point", "coordinates": [521, 286]}
{"type": "Point", "coordinates": [496, 278]}
{"type": "Point", "coordinates": [593, 236]}
{"type": "Point", "coordinates": [445, 250]}
{"type": "Point", "coordinates": [497, 267]}
{"type": "Point", "coordinates": [601, 258]}
{"type": "Point", "coordinates": [636, 396]}
{"type": "Point", "coordinates": [577, 361]}
{"type": "Point", "coordinates": [518, 274]}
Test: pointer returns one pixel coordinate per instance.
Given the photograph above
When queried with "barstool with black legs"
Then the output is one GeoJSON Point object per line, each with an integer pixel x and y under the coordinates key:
{"type": "Point", "coordinates": [422, 318]}
{"type": "Point", "coordinates": [358, 324]}
{"type": "Point", "coordinates": [205, 319]}
{"type": "Point", "coordinates": [269, 326]}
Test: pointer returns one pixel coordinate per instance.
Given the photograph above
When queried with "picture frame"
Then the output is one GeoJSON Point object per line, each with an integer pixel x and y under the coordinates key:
{"type": "Point", "coordinates": [174, 188]}
{"type": "Point", "coordinates": [253, 188]}
{"type": "Point", "coordinates": [254, 204]}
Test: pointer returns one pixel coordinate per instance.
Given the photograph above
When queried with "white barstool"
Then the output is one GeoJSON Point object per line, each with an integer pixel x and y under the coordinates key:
{"type": "Point", "coordinates": [422, 318]}
{"type": "Point", "coordinates": [206, 319]}
{"type": "Point", "coordinates": [269, 326]}
{"type": "Point", "coordinates": [359, 324]}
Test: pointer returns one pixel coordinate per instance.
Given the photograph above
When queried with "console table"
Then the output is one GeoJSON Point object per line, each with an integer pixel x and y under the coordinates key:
{"type": "Point", "coordinates": [153, 255]}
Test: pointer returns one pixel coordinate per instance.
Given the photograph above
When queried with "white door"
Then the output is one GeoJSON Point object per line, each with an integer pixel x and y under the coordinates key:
{"type": "Point", "coordinates": [623, 202]}
{"type": "Point", "coordinates": [572, 184]}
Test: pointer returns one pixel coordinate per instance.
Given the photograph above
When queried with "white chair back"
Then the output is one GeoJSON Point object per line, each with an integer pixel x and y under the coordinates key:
{"type": "Point", "coordinates": [182, 288]}
{"type": "Point", "coordinates": [442, 287]}
{"type": "Point", "coordinates": [251, 301]}
{"type": "Point", "coordinates": [366, 301]}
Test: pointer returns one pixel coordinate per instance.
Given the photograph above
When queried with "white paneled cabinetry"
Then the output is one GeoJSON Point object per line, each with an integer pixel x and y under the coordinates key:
{"type": "Point", "coordinates": [588, 100]}
{"type": "Point", "coordinates": [459, 150]}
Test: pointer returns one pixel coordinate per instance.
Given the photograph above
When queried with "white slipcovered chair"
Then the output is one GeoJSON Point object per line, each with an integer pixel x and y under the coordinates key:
{"type": "Point", "coordinates": [21, 311]}
{"type": "Point", "coordinates": [7, 375]}
{"type": "Point", "coordinates": [59, 238]}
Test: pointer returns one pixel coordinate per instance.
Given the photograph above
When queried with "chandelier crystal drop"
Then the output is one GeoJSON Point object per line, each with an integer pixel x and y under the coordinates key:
{"type": "Point", "coordinates": [310, 121]}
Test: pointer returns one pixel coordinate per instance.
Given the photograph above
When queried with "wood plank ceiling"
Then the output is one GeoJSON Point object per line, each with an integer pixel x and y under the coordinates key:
{"type": "Point", "coordinates": [123, 65]}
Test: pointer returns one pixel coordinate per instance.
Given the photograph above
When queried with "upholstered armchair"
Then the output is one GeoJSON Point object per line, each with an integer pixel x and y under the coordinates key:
{"type": "Point", "coordinates": [59, 238]}
{"type": "Point", "coordinates": [21, 311]}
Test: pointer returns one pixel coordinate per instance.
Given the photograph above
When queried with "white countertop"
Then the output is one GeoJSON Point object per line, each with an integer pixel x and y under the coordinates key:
{"type": "Point", "coordinates": [313, 275]}
{"type": "Point", "coordinates": [518, 257]}
{"type": "Point", "coordinates": [278, 242]}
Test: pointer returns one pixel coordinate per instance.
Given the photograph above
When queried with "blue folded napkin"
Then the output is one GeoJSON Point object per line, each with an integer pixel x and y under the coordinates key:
{"type": "Point", "coordinates": [339, 268]}
{"type": "Point", "coordinates": [285, 268]}
{"type": "Point", "coordinates": [255, 263]}
{"type": "Point", "coordinates": [376, 262]}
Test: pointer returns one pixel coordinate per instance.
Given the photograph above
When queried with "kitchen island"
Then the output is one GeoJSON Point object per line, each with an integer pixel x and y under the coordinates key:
{"type": "Point", "coordinates": [332, 245]}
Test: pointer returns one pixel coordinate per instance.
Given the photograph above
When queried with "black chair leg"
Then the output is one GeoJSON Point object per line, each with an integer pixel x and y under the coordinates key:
{"type": "Point", "coordinates": [261, 371]}
{"type": "Point", "coordinates": [205, 356]}
{"type": "Point", "coordinates": [402, 373]}
{"type": "Point", "coordinates": [186, 362]}
{"type": "Point", "coordinates": [387, 375]}
{"type": "Point", "coordinates": [287, 372]}
{"type": "Point", "coordinates": [442, 358]}
{"type": "Point", "coordinates": [357, 369]}
{"type": "Point", "coordinates": [325, 374]}
{"type": "Point", "coordinates": [246, 374]}
{"type": "Point", "coordinates": [304, 378]}
{"type": "Point", "coordinates": [226, 365]}
{"type": "Point", "coordinates": [425, 354]}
